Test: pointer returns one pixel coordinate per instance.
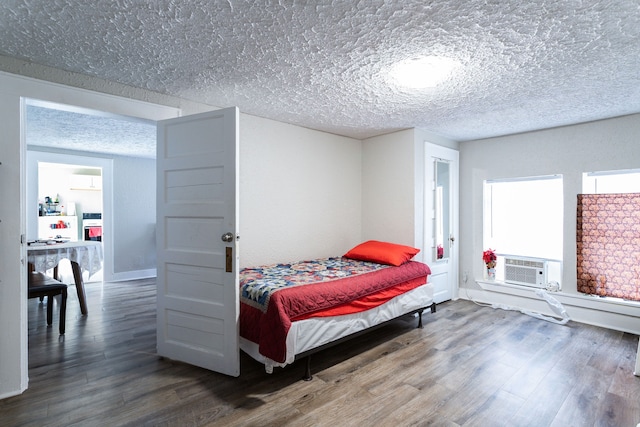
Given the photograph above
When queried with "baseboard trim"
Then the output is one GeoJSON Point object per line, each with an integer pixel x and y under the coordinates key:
{"type": "Point", "coordinates": [618, 315]}
{"type": "Point", "coordinates": [134, 275]}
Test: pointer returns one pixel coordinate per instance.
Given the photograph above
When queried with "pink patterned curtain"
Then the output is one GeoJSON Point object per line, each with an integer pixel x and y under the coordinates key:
{"type": "Point", "coordinates": [608, 237]}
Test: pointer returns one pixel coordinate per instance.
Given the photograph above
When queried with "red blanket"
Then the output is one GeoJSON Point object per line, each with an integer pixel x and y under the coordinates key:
{"type": "Point", "coordinates": [269, 329]}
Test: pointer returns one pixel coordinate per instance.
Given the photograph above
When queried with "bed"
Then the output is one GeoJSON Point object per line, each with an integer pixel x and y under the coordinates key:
{"type": "Point", "coordinates": [291, 310]}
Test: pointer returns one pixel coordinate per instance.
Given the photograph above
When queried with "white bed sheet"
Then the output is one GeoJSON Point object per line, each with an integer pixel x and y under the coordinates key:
{"type": "Point", "coordinates": [305, 335]}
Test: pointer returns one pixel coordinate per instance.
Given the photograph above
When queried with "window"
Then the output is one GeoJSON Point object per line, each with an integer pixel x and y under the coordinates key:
{"type": "Point", "coordinates": [524, 217]}
{"type": "Point", "coordinates": [611, 182]}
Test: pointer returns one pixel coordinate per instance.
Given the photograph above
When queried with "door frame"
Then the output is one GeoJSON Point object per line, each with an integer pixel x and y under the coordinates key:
{"type": "Point", "coordinates": [14, 92]}
{"type": "Point", "coordinates": [434, 151]}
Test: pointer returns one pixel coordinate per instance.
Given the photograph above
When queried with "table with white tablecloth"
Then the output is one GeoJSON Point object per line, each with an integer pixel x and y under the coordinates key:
{"type": "Point", "coordinates": [83, 255]}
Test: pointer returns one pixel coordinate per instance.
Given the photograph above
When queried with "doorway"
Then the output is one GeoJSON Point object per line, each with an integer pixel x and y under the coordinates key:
{"type": "Point", "coordinates": [102, 199]}
{"type": "Point", "coordinates": [441, 225]}
{"type": "Point", "coordinates": [14, 93]}
{"type": "Point", "coordinates": [95, 142]}
{"type": "Point", "coordinates": [68, 194]}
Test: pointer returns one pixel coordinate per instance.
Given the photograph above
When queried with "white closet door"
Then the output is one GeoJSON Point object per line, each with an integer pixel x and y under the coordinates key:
{"type": "Point", "coordinates": [441, 225]}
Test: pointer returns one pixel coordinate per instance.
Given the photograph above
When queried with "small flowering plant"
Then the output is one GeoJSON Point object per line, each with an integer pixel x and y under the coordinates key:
{"type": "Point", "coordinates": [489, 257]}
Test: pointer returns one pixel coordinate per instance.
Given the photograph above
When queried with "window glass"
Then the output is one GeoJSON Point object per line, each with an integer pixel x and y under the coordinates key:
{"type": "Point", "coordinates": [524, 216]}
{"type": "Point", "coordinates": [611, 182]}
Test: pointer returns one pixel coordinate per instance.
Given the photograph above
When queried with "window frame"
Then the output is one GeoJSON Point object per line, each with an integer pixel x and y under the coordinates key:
{"type": "Point", "coordinates": [555, 258]}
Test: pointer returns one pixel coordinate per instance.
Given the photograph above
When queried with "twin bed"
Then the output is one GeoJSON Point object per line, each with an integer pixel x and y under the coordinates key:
{"type": "Point", "coordinates": [289, 311]}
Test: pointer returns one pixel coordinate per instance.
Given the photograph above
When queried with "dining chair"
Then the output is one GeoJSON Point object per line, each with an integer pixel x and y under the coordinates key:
{"type": "Point", "coordinates": [40, 286]}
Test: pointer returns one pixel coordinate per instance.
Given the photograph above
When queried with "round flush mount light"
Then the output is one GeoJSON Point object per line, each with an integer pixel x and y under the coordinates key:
{"type": "Point", "coordinates": [423, 72]}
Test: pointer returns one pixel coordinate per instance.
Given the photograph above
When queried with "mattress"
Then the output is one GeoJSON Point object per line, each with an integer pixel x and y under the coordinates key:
{"type": "Point", "coordinates": [308, 334]}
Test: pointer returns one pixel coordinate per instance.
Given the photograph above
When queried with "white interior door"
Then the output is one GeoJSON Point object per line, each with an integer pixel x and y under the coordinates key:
{"type": "Point", "coordinates": [441, 213]}
{"type": "Point", "coordinates": [197, 208]}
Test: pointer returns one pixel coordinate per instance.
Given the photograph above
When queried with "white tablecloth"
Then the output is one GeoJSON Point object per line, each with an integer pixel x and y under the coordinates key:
{"type": "Point", "coordinates": [87, 254]}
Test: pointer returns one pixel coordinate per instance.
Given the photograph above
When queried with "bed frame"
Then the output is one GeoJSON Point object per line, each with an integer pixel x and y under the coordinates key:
{"type": "Point", "coordinates": [307, 354]}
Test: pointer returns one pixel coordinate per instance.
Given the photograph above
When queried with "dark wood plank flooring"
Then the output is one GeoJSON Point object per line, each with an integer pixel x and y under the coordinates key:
{"type": "Point", "coordinates": [469, 366]}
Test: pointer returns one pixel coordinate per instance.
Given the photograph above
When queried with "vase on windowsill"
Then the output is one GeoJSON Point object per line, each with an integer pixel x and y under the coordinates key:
{"type": "Point", "coordinates": [490, 258]}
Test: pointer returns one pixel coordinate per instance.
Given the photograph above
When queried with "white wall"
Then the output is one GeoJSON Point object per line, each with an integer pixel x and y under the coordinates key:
{"type": "Point", "coordinates": [393, 176]}
{"type": "Point", "coordinates": [299, 192]}
{"type": "Point", "coordinates": [570, 151]}
{"type": "Point", "coordinates": [134, 218]}
{"type": "Point", "coordinates": [13, 289]}
{"type": "Point", "coordinates": [388, 174]}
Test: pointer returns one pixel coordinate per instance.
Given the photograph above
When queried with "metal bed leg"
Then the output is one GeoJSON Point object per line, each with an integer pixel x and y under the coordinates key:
{"type": "Point", "coordinates": [307, 373]}
{"type": "Point", "coordinates": [433, 310]}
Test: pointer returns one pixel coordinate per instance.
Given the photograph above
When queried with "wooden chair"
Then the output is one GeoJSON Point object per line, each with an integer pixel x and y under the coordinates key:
{"type": "Point", "coordinates": [41, 286]}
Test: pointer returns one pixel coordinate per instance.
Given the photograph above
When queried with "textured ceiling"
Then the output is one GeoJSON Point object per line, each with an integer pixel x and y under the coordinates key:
{"type": "Point", "coordinates": [524, 65]}
{"type": "Point", "coordinates": [56, 126]}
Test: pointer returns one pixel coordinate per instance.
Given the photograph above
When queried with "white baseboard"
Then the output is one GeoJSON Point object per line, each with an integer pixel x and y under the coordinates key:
{"type": "Point", "coordinates": [134, 275]}
{"type": "Point", "coordinates": [608, 313]}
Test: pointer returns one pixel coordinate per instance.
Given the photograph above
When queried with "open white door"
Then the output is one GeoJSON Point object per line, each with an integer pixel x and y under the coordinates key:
{"type": "Point", "coordinates": [197, 224]}
{"type": "Point", "coordinates": [441, 222]}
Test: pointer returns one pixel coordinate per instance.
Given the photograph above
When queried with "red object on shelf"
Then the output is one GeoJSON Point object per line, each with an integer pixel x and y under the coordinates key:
{"type": "Point", "coordinates": [95, 231]}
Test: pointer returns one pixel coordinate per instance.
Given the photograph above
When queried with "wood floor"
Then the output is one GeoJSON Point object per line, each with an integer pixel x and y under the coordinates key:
{"type": "Point", "coordinates": [469, 366]}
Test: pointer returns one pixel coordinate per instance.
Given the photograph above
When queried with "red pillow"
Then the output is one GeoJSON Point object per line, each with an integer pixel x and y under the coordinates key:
{"type": "Point", "coordinates": [382, 252]}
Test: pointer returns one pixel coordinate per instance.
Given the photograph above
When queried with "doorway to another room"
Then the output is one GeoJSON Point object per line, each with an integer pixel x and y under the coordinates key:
{"type": "Point", "coordinates": [48, 180]}
{"type": "Point", "coordinates": [70, 208]}
{"type": "Point", "coordinates": [76, 150]}
{"type": "Point", "coordinates": [21, 199]}
{"type": "Point", "coordinates": [441, 219]}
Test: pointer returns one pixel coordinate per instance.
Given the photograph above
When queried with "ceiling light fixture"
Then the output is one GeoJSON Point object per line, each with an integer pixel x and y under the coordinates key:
{"type": "Point", "coordinates": [423, 72]}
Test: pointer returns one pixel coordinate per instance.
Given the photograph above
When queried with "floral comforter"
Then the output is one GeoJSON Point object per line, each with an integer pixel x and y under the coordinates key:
{"type": "Point", "coordinates": [273, 296]}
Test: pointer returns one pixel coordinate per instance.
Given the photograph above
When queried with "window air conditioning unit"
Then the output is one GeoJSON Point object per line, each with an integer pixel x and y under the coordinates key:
{"type": "Point", "coordinates": [525, 271]}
